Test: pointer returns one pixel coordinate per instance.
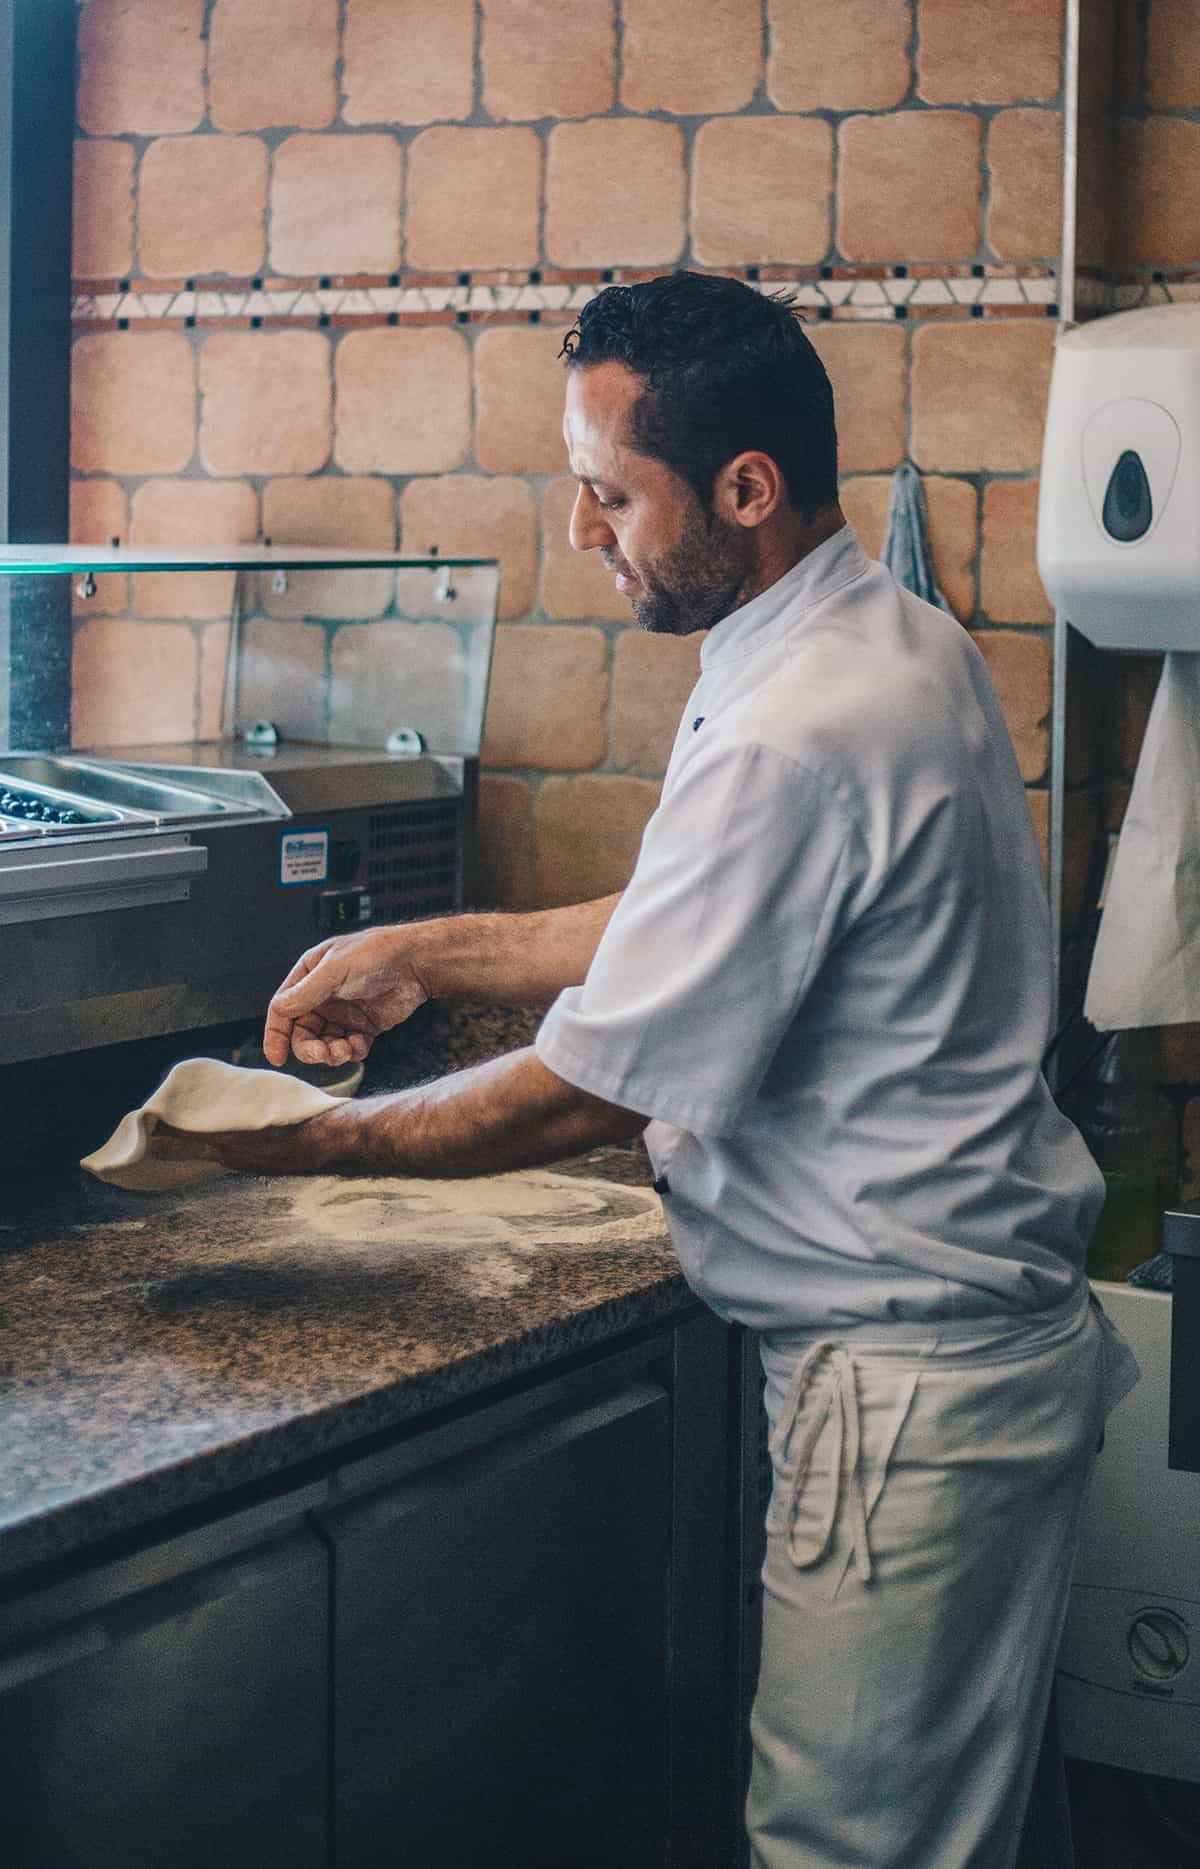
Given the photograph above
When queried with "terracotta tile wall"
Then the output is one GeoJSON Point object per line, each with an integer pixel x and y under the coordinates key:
{"type": "Point", "coordinates": [1139, 204]}
{"type": "Point", "coordinates": [872, 147]}
{"type": "Point", "coordinates": [1158, 138]}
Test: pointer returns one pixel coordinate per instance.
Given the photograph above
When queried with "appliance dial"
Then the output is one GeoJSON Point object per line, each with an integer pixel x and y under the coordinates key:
{"type": "Point", "coordinates": [1158, 1644]}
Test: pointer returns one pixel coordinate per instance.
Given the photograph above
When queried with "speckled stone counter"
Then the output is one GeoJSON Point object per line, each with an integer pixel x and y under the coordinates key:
{"type": "Point", "coordinates": [158, 1352]}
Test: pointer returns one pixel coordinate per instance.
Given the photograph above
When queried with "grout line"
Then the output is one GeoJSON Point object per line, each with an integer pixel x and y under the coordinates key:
{"type": "Point", "coordinates": [909, 338]}
{"type": "Point", "coordinates": [833, 217]}
{"type": "Point", "coordinates": [206, 120]}
{"type": "Point", "coordinates": [983, 249]}
{"type": "Point", "coordinates": [913, 50]}
{"type": "Point", "coordinates": [766, 52]}
{"type": "Point", "coordinates": [339, 69]}
{"type": "Point", "coordinates": [478, 115]}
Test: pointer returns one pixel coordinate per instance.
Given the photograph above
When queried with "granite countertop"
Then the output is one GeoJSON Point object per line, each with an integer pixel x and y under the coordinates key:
{"type": "Point", "coordinates": [158, 1351]}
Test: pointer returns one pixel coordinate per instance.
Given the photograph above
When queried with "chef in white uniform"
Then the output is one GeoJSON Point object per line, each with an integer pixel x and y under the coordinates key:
{"type": "Point", "coordinates": [824, 996]}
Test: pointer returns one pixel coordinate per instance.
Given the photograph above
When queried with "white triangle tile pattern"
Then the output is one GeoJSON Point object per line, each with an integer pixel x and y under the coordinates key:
{"type": "Point", "coordinates": [847, 297]}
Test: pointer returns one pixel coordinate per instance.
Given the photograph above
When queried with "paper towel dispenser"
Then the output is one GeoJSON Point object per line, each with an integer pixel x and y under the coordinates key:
{"type": "Point", "coordinates": [1119, 511]}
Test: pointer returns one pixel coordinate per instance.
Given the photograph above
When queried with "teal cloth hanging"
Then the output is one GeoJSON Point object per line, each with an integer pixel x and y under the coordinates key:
{"type": "Point", "coordinates": [906, 538]}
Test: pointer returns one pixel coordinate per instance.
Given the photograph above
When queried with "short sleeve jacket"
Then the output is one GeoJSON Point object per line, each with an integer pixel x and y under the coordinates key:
{"type": "Point", "coordinates": [828, 981]}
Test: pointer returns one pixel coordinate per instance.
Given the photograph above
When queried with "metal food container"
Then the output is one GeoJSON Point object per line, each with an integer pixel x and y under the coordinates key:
{"type": "Point", "coordinates": [154, 889]}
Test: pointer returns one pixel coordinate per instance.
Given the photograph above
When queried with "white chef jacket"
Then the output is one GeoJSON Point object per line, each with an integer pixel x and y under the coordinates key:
{"type": "Point", "coordinates": [828, 981]}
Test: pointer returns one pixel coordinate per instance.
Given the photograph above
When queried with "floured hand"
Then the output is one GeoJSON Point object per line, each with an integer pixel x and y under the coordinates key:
{"type": "Point", "coordinates": [341, 995]}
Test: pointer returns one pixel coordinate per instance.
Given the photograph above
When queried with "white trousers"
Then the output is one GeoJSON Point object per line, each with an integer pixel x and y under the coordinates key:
{"type": "Point", "coordinates": [920, 1540]}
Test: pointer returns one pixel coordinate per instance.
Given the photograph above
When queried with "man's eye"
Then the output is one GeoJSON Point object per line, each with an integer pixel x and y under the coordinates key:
{"type": "Point", "coordinates": [609, 506]}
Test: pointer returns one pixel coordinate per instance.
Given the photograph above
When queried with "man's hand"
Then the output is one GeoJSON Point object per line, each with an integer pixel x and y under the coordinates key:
{"type": "Point", "coordinates": [341, 995]}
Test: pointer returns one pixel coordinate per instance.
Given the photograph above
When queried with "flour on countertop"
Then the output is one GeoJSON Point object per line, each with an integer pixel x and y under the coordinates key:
{"type": "Point", "coordinates": [520, 1211]}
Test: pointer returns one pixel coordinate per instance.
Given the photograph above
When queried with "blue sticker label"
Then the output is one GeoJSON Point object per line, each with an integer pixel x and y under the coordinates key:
{"type": "Point", "coordinates": [303, 857]}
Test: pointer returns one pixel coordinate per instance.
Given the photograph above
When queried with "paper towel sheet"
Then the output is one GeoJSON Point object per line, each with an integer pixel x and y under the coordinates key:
{"type": "Point", "coordinates": [1146, 967]}
{"type": "Point", "coordinates": [205, 1096]}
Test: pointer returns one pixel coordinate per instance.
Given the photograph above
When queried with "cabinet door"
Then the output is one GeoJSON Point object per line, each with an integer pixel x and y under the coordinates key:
{"type": "Point", "coordinates": [501, 1652]}
{"type": "Point", "coordinates": [186, 1726]}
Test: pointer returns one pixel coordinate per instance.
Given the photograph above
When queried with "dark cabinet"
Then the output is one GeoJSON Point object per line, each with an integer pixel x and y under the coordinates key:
{"type": "Point", "coordinates": [501, 1638]}
{"type": "Point", "coordinates": [501, 1657]}
{"type": "Point", "coordinates": [184, 1724]}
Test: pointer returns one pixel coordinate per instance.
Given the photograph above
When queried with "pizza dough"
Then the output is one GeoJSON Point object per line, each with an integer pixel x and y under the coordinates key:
{"type": "Point", "coordinates": [205, 1096]}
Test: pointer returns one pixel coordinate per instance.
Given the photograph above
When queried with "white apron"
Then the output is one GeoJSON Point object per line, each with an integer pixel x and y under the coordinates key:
{"type": "Point", "coordinates": [928, 1484]}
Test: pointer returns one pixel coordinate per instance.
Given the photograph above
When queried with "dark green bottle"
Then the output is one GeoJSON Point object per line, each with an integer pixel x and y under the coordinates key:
{"type": "Point", "coordinates": [1125, 1123]}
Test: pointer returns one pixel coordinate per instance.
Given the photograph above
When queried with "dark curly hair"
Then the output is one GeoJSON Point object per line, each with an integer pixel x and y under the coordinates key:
{"type": "Point", "coordinates": [726, 369]}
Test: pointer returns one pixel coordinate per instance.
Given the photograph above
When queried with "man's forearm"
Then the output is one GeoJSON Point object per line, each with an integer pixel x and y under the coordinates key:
{"type": "Point", "coordinates": [512, 1112]}
{"type": "Point", "coordinates": [523, 960]}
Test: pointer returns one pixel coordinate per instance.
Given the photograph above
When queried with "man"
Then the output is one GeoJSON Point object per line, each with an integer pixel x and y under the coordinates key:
{"type": "Point", "coordinates": [827, 986]}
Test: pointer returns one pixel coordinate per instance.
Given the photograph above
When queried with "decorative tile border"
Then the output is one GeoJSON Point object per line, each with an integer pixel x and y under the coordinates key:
{"type": "Point", "coordinates": [838, 292]}
{"type": "Point", "coordinates": [1097, 292]}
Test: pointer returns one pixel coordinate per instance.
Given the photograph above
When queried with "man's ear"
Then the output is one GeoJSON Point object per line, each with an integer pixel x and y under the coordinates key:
{"type": "Point", "coordinates": [749, 489]}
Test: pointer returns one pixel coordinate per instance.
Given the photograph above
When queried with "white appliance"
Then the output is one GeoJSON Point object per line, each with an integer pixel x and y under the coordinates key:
{"type": "Point", "coordinates": [1129, 1666]}
{"type": "Point", "coordinates": [1118, 539]}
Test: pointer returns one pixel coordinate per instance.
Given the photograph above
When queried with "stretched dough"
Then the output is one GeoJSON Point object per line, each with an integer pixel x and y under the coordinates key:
{"type": "Point", "coordinates": [202, 1095]}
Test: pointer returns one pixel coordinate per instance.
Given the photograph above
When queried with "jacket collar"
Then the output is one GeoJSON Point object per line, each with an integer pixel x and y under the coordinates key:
{"type": "Point", "coordinates": [835, 562]}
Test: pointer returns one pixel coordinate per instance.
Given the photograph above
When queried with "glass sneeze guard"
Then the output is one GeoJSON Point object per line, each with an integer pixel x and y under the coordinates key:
{"type": "Point", "coordinates": [337, 647]}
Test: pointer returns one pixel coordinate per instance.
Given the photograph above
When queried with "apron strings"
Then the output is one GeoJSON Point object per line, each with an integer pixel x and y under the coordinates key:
{"type": "Point", "coordinates": [839, 1402]}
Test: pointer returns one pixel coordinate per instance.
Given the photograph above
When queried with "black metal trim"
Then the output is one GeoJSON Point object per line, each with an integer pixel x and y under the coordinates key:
{"type": "Point", "coordinates": [37, 121]}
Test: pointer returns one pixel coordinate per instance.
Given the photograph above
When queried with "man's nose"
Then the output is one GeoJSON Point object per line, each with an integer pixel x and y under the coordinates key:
{"type": "Point", "coordinates": [588, 527]}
